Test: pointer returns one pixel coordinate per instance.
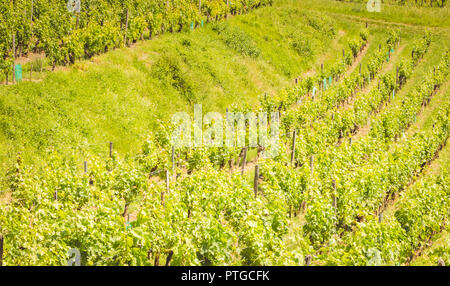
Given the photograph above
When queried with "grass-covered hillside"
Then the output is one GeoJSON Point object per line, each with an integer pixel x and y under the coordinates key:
{"type": "Point", "coordinates": [121, 96]}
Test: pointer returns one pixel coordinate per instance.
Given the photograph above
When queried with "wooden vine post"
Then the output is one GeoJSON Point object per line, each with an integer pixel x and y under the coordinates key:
{"type": "Point", "coordinates": [334, 195]}
{"type": "Point", "coordinates": [77, 12]}
{"type": "Point", "coordinates": [14, 57]}
{"type": "Point", "coordinates": [167, 188]}
{"type": "Point", "coordinates": [244, 160]}
{"type": "Point", "coordinates": [31, 26]}
{"type": "Point", "coordinates": [85, 167]}
{"type": "Point", "coordinates": [360, 72]}
{"type": "Point", "coordinates": [167, 181]}
{"type": "Point", "coordinates": [308, 260]}
{"type": "Point", "coordinates": [228, 9]}
{"type": "Point", "coordinates": [156, 259]}
{"type": "Point", "coordinates": [174, 173]}
{"type": "Point", "coordinates": [396, 77]}
{"type": "Point", "coordinates": [169, 258]}
{"type": "Point", "coordinates": [110, 149]}
{"type": "Point", "coordinates": [31, 14]}
{"type": "Point", "coordinates": [255, 186]}
{"type": "Point", "coordinates": [294, 135]}
{"type": "Point", "coordinates": [126, 28]}
{"type": "Point", "coordinates": [311, 164]}
{"type": "Point", "coordinates": [1, 249]}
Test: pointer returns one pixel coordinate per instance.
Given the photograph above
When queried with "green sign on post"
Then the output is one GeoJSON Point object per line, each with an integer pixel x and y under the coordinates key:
{"type": "Point", "coordinates": [18, 73]}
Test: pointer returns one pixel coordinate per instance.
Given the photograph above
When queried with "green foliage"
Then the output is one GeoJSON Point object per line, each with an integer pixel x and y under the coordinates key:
{"type": "Point", "coordinates": [168, 69]}
{"type": "Point", "coordinates": [237, 39]}
{"type": "Point", "coordinates": [202, 220]}
{"type": "Point", "coordinates": [301, 45]}
{"type": "Point", "coordinates": [209, 216]}
{"type": "Point", "coordinates": [100, 26]}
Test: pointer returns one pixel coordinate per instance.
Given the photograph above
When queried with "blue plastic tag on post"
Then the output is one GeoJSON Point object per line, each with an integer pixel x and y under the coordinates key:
{"type": "Point", "coordinates": [392, 50]}
{"type": "Point", "coordinates": [192, 26]}
{"type": "Point", "coordinates": [393, 94]}
{"type": "Point", "coordinates": [330, 80]}
{"type": "Point", "coordinates": [324, 83]}
{"type": "Point", "coordinates": [18, 73]}
{"type": "Point", "coordinates": [202, 23]}
{"type": "Point", "coordinates": [128, 225]}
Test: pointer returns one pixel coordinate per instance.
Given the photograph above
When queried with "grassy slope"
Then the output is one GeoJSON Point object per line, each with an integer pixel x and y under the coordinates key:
{"type": "Point", "coordinates": [116, 96]}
